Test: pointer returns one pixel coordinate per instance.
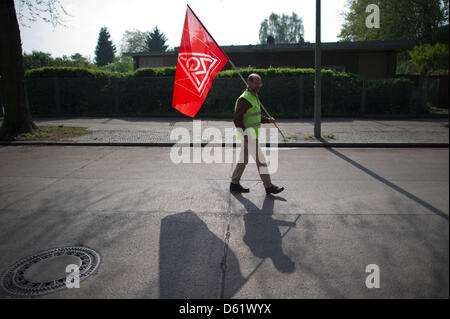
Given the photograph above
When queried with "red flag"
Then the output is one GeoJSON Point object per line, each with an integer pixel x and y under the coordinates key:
{"type": "Point", "coordinates": [199, 60]}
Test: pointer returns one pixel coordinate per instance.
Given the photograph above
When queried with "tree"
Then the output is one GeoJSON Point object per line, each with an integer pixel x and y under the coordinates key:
{"type": "Point", "coordinates": [428, 58]}
{"type": "Point", "coordinates": [284, 29]}
{"type": "Point", "coordinates": [105, 50]}
{"type": "Point", "coordinates": [423, 21]}
{"type": "Point", "coordinates": [155, 41]}
{"type": "Point", "coordinates": [17, 117]}
{"type": "Point", "coordinates": [417, 20]}
{"type": "Point", "coordinates": [37, 59]}
{"type": "Point", "coordinates": [78, 60]}
{"type": "Point", "coordinates": [121, 64]}
{"type": "Point", "coordinates": [134, 41]}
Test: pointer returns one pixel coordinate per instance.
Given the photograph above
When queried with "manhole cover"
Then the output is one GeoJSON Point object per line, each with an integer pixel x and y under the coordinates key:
{"type": "Point", "coordinates": [45, 272]}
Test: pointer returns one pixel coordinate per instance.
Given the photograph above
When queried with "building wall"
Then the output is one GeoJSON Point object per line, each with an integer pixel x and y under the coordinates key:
{"type": "Point", "coordinates": [366, 64]}
{"type": "Point", "coordinates": [151, 62]}
{"type": "Point", "coordinates": [155, 62]}
{"type": "Point", "coordinates": [375, 65]}
{"type": "Point", "coordinates": [349, 60]}
{"type": "Point", "coordinates": [170, 60]}
{"type": "Point", "coordinates": [265, 60]}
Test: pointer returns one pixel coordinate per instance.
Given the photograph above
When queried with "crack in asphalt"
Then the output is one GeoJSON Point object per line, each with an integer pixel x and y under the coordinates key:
{"type": "Point", "coordinates": [223, 263]}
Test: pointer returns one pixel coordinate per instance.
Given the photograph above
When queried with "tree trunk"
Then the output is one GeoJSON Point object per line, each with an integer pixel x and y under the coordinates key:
{"type": "Point", "coordinates": [17, 117]}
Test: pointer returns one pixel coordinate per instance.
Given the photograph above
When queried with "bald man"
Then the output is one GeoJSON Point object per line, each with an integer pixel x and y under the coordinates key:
{"type": "Point", "coordinates": [247, 117]}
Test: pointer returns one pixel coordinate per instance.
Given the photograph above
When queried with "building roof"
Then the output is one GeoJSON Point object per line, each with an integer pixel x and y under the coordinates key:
{"type": "Point", "coordinates": [360, 46]}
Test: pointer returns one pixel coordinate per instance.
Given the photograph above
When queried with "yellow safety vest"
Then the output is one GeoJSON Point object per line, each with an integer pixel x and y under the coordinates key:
{"type": "Point", "coordinates": [252, 117]}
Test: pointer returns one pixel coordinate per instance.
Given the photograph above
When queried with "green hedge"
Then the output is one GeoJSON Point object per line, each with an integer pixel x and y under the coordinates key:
{"type": "Point", "coordinates": [148, 92]}
{"type": "Point", "coordinates": [390, 96]}
{"type": "Point", "coordinates": [71, 72]}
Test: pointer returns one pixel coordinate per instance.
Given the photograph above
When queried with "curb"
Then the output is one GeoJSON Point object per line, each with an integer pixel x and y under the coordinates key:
{"type": "Point", "coordinates": [223, 144]}
{"type": "Point", "coordinates": [206, 118]}
{"type": "Point", "coordinates": [404, 117]}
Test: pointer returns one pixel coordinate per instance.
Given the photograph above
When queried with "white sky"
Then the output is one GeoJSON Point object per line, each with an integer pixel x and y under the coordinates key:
{"type": "Point", "coordinates": [230, 22]}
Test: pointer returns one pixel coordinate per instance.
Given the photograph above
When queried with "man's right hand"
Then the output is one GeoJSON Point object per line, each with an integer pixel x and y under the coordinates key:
{"type": "Point", "coordinates": [271, 120]}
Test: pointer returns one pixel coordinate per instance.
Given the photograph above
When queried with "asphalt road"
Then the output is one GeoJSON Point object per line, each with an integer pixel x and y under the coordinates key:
{"type": "Point", "coordinates": [168, 230]}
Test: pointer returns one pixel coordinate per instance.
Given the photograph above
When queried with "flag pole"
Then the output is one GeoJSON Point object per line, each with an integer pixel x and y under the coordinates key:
{"type": "Point", "coordinates": [265, 110]}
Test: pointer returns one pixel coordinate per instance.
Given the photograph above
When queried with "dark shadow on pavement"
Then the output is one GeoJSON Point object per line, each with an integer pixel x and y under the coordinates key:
{"type": "Point", "coordinates": [190, 258]}
{"type": "Point", "coordinates": [262, 234]}
{"type": "Point", "coordinates": [388, 183]}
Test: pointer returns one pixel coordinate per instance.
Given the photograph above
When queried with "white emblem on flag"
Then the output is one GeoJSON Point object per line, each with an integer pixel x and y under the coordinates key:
{"type": "Point", "coordinates": [198, 67]}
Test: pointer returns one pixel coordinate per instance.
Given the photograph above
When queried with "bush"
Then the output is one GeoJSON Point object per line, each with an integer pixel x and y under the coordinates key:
{"type": "Point", "coordinates": [148, 92]}
{"type": "Point", "coordinates": [390, 96]}
{"type": "Point", "coordinates": [69, 72]}
{"type": "Point", "coordinates": [144, 72]}
{"type": "Point", "coordinates": [146, 96]}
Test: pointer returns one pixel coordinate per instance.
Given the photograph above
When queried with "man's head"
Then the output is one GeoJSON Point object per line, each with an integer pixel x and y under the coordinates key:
{"type": "Point", "coordinates": [254, 82]}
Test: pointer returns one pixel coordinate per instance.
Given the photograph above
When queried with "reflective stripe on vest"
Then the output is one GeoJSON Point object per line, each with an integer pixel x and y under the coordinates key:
{"type": "Point", "coordinates": [252, 117]}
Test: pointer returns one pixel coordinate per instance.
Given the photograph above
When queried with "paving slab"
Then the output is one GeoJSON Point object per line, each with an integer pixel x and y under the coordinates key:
{"type": "Point", "coordinates": [343, 130]}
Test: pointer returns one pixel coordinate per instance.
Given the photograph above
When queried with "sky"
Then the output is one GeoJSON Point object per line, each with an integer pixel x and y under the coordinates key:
{"type": "Point", "coordinates": [230, 22]}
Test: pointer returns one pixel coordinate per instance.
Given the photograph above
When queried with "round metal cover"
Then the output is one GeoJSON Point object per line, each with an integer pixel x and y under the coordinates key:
{"type": "Point", "coordinates": [44, 272]}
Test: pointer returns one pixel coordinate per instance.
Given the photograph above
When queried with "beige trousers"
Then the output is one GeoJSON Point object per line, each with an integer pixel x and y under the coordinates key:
{"type": "Point", "coordinates": [256, 153]}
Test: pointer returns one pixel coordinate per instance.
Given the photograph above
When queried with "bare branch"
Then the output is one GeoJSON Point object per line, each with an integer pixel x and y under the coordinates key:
{"type": "Point", "coordinates": [50, 11]}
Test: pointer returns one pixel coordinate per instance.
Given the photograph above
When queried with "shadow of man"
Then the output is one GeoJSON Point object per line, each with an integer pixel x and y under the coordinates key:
{"type": "Point", "coordinates": [190, 258]}
{"type": "Point", "coordinates": [262, 234]}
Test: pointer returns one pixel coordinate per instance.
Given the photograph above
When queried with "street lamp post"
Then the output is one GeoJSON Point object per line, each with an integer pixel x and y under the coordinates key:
{"type": "Point", "coordinates": [317, 77]}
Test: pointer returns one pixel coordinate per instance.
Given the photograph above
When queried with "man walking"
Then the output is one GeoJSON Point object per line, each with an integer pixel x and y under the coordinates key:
{"type": "Point", "coordinates": [247, 117]}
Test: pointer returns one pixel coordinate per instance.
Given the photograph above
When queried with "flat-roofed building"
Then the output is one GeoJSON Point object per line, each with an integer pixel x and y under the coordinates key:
{"type": "Point", "coordinates": [369, 59]}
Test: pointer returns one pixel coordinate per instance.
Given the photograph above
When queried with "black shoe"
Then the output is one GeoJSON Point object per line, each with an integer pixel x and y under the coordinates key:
{"type": "Point", "coordinates": [274, 189]}
{"type": "Point", "coordinates": [238, 188]}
